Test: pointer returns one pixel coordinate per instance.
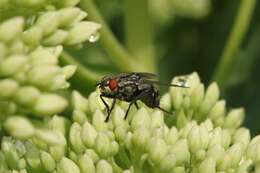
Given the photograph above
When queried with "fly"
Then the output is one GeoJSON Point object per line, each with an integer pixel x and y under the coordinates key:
{"type": "Point", "coordinates": [131, 87]}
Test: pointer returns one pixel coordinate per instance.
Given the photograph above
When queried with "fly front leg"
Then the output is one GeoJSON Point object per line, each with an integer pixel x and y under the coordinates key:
{"type": "Point", "coordinates": [112, 107]}
{"type": "Point", "coordinates": [109, 110]}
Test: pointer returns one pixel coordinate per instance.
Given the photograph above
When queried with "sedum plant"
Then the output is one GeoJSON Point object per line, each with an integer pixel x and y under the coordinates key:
{"type": "Point", "coordinates": [47, 127]}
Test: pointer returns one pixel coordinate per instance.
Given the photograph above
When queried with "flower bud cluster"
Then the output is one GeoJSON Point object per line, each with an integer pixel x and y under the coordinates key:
{"type": "Point", "coordinates": [144, 142]}
{"type": "Point", "coordinates": [30, 47]}
{"type": "Point", "coordinates": [196, 102]}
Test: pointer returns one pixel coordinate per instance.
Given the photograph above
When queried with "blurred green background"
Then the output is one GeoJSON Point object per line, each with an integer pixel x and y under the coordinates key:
{"type": "Point", "coordinates": [188, 36]}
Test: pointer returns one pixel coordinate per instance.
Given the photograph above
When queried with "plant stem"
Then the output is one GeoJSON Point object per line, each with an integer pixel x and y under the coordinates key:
{"type": "Point", "coordinates": [114, 49]}
{"type": "Point", "coordinates": [235, 39]}
{"type": "Point", "coordinates": [82, 72]}
{"type": "Point", "coordinates": [139, 32]}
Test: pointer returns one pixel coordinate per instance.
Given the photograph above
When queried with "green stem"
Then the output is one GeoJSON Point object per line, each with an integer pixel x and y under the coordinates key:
{"type": "Point", "coordinates": [139, 32]}
{"type": "Point", "coordinates": [235, 39]}
{"type": "Point", "coordinates": [114, 49]}
{"type": "Point", "coordinates": [82, 72]}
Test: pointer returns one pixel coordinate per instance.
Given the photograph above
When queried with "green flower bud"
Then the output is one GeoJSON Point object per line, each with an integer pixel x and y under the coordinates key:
{"type": "Point", "coordinates": [167, 163]}
{"type": "Point", "coordinates": [181, 119]}
{"type": "Point", "coordinates": [194, 139]}
{"type": "Point", "coordinates": [244, 166]}
{"type": "Point", "coordinates": [75, 138]}
{"type": "Point", "coordinates": [59, 82]}
{"type": "Point", "coordinates": [20, 148]}
{"type": "Point", "coordinates": [226, 138]}
{"type": "Point", "coordinates": [7, 30]}
{"type": "Point", "coordinates": [102, 145]}
{"type": "Point", "coordinates": [42, 76]}
{"type": "Point", "coordinates": [49, 22]}
{"type": "Point", "coordinates": [253, 150]}
{"type": "Point", "coordinates": [200, 155]}
{"type": "Point", "coordinates": [27, 95]}
{"type": "Point", "coordinates": [86, 164]}
{"type": "Point", "coordinates": [208, 124]}
{"type": "Point", "coordinates": [3, 164]}
{"type": "Point", "coordinates": [157, 149]}
{"type": "Point", "coordinates": [50, 104]}
{"type": "Point", "coordinates": [210, 99]}
{"type": "Point", "coordinates": [47, 161]}
{"type": "Point", "coordinates": [118, 117]}
{"type": "Point", "coordinates": [225, 163]}
{"type": "Point", "coordinates": [242, 135]}
{"type": "Point", "coordinates": [79, 102]}
{"type": "Point", "coordinates": [235, 152]}
{"type": "Point", "coordinates": [50, 137]}
{"type": "Point", "coordinates": [93, 155]}
{"type": "Point", "coordinates": [56, 38]}
{"type": "Point", "coordinates": [58, 151]}
{"type": "Point", "coordinates": [68, 15]}
{"type": "Point", "coordinates": [32, 156]}
{"type": "Point", "coordinates": [81, 32]}
{"type": "Point", "coordinates": [67, 166]}
{"type": "Point", "coordinates": [140, 138]}
{"type": "Point", "coordinates": [17, 62]}
{"type": "Point", "coordinates": [176, 96]}
{"type": "Point", "coordinates": [79, 117]}
{"type": "Point", "coordinates": [88, 135]}
{"type": "Point", "coordinates": [17, 47]}
{"type": "Point", "coordinates": [218, 110]}
{"type": "Point", "coordinates": [181, 151]}
{"type": "Point", "coordinates": [141, 118]}
{"type": "Point", "coordinates": [98, 121]}
{"type": "Point", "coordinates": [234, 118]}
{"type": "Point", "coordinates": [216, 137]}
{"type": "Point", "coordinates": [165, 101]}
{"type": "Point", "coordinates": [114, 148]}
{"type": "Point", "coordinates": [94, 102]}
{"type": "Point", "coordinates": [22, 164]}
{"type": "Point", "coordinates": [33, 35]}
{"type": "Point", "coordinates": [42, 56]}
{"type": "Point", "coordinates": [19, 127]}
{"type": "Point", "coordinates": [103, 167]}
{"type": "Point", "coordinates": [172, 136]}
{"type": "Point", "coordinates": [69, 70]}
{"type": "Point", "coordinates": [216, 152]}
{"type": "Point", "coordinates": [204, 136]}
{"type": "Point", "coordinates": [208, 166]}
{"type": "Point", "coordinates": [120, 133]}
{"type": "Point", "coordinates": [186, 130]}
{"type": "Point", "coordinates": [10, 154]}
{"type": "Point", "coordinates": [58, 123]}
{"type": "Point", "coordinates": [157, 119]}
{"type": "Point", "coordinates": [8, 88]}
{"type": "Point", "coordinates": [129, 138]}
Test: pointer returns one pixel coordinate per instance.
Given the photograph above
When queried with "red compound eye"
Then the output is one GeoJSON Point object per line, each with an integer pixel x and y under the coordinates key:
{"type": "Point", "coordinates": [112, 84]}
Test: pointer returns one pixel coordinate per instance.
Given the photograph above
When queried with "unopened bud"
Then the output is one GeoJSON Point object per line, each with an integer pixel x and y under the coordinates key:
{"type": "Point", "coordinates": [7, 30]}
{"type": "Point", "coordinates": [86, 164]}
{"type": "Point", "coordinates": [235, 118]}
{"type": "Point", "coordinates": [208, 166]}
{"type": "Point", "coordinates": [47, 161]}
{"type": "Point", "coordinates": [67, 166]}
{"type": "Point", "coordinates": [19, 127]}
{"type": "Point", "coordinates": [88, 135]}
{"type": "Point", "coordinates": [75, 138]}
{"type": "Point", "coordinates": [141, 118]}
{"type": "Point", "coordinates": [103, 167]}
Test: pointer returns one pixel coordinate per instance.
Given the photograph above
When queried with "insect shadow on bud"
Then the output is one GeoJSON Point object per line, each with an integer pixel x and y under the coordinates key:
{"type": "Point", "coordinates": [131, 87]}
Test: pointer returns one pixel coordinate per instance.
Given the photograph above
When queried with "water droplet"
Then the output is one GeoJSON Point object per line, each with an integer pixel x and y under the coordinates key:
{"type": "Point", "coordinates": [94, 37]}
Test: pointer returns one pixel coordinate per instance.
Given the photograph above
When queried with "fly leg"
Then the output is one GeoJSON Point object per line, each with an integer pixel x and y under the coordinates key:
{"type": "Point", "coordinates": [140, 95]}
{"type": "Point", "coordinates": [136, 105]}
{"type": "Point", "coordinates": [112, 107]}
{"type": "Point", "coordinates": [107, 107]}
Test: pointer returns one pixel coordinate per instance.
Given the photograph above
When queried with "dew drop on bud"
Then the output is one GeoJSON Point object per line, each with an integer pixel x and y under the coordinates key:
{"type": "Point", "coordinates": [94, 37]}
